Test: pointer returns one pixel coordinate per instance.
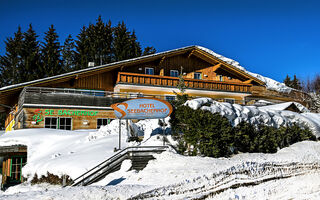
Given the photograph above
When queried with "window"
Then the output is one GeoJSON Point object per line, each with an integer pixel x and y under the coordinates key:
{"type": "Point", "coordinates": [174, 73]}
{"type": "Point", "coordinates": [170, 98]}
{"type": "Point", "coordinates": [51, 122]}
{"type": "Point", "coordinates": [220, 78]}
{"type": "Point", "coordinates": [197, 75]}
{"type": "Point", "coordinates": [58, 123]}
{"type": "Point", "coordinates": [149, 71]}
{"type": "Point", "coordinates": [65, 123]}
{"type": "Point", "coordinates": [16, 165]}
{"type": "Point", "coordinates": [229, 100]}
{"type": "Point", "coordinates": [103, 122]}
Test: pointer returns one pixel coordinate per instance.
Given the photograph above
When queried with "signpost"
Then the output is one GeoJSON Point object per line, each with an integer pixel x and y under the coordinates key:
{"type": "Point", "coordinates": [141, 108]}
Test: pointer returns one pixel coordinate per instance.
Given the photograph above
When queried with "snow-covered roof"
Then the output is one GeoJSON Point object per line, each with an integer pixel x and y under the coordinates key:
{"type": "Point", "coordinates": [269, 82]}
{"type": "Point", "coordinates": [285, 106]}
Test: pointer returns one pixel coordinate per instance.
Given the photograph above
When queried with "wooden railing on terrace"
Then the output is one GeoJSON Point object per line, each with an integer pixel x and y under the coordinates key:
{"type": "Point", "coordinates": [293, 95]}
{"type": "Point", "coordinates": [168, 81]}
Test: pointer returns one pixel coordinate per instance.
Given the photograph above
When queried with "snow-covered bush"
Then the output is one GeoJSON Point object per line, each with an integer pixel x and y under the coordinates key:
{"type": "Point", "coordinates": [201, 132]}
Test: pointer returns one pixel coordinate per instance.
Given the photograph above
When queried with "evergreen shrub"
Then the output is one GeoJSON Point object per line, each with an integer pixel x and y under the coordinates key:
{"type": "Point", "coordinates": [200, 132]}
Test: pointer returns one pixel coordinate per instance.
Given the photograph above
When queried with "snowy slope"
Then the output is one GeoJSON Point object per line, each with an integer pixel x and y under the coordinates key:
{"type": "Point", "coordinates": [270, 115]}
{"type": "Point", "coordinates": [65, 152]}
{"type": "Point", "coordinates": [195, 176]}
{"type": "Point", "coordinates": [75, 152]}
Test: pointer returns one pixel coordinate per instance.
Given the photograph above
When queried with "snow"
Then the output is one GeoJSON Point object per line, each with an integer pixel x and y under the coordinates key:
{"type": "Point", "coordinates": [273, 115]}
{"type": "Point", "coordinates": [283, 106]}
{"type": "Point", "coordinates": [170, 176]}
{"type": "Point", "coordinates": [64, 152]}
{"type": "Point", "coordinates": [74, 152]}
{"type": "Point", "coordinates": [195, 176]}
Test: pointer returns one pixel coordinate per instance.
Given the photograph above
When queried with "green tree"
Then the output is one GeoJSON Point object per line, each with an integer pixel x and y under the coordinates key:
{"type": "Point", "coordinates": [135, 48]}
{"type": "Point", "coordinates": [82, 49]}
{"type": "Point", "coordinates": [244, 134]}
{"type": "Point", "coordinates": [121, 42]}
{"type": "Point", "coordinates": [209, 134]}
{"type": "Point", "coordinates": [50, 51]}
{"type": "Point", "coordinates": [68, 54]}
{"type": "Point", "coordinates": [10, 63]}
{"type": "Point", "coordinates": [100, 41]}
{"type": "Point", "coordinates": [149, 51]}
{"type": "Point", "coordinates": [287, 81]}
{"type": "Point", "coordinates": [296, 83]}
{"type": "Point", "coordinates": [31, 64]}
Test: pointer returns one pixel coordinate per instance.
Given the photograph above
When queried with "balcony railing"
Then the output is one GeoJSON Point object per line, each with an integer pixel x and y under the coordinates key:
{"type": "Point", "coordinates": [168, 81]}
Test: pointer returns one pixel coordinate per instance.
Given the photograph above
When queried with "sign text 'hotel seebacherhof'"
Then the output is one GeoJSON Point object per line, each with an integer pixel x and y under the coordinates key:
{"type": "Point", "coordinates": [142, 108]}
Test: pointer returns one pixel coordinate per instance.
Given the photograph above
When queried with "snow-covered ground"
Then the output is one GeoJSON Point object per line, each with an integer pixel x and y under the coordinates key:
{"type": "Point", "coordinates": [292, 172]}
{"type": "Point", "coordinates": [296, 169]}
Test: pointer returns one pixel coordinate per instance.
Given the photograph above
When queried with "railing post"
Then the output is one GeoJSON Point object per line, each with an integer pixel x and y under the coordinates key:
{"type": "Point", "coordinates": [119, 134]}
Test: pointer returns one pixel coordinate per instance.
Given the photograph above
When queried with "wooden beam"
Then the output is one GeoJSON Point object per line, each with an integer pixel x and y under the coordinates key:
{"type": "Point", "coordinates": [190, 54]}
{"type": "Point", "coordinates": [248, 81]}
{"type": "Point", "coordinates": [162, 59]}
{"type": "Point", "coordinates": [215, 67]}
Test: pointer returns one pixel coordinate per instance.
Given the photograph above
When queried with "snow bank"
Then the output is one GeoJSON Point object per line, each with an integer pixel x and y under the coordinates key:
{"type": "Point", "coordinates": [273, 115]}
{"type": "Point", "coordinates": [171, 170]}
{"type": "Point", "coordinates": [270, 83]}
{"type": "Point", "coordinates": [75, 152]}
{"type": "Point", "coordinates": [63, 152]}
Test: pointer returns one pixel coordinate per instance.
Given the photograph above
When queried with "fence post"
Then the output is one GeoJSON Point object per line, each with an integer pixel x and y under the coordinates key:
{"type": "Point", "coordinates": [119, 134]}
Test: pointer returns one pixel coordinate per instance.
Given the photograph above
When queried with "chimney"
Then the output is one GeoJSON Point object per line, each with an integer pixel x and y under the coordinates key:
{"type": "Point", "coordinates": [90, 64]}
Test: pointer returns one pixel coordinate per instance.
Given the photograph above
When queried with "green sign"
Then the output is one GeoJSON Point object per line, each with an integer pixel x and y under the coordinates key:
{"type": "Point", "coordinates": [71, 112]}
{"type": "Point", "coordinates": [38, 116]}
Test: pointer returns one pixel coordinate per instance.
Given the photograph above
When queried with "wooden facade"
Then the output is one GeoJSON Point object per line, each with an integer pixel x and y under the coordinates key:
{"type": "Point", "coordinates": [13, 159]}
{"type": "Point", "coordinates": [204, 74]}
{"type": "Point", "coordinates": [80, 118]}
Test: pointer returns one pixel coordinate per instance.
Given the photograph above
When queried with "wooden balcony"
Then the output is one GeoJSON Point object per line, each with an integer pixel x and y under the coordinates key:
{"type": "Point", "coordinates": [168, 81]}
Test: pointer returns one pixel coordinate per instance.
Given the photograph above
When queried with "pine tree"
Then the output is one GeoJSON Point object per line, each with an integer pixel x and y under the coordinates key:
{"type": "Point", "coordinates": [82, 49]}
{"type": "Point", "coordinates": [287, 81]}
{"type": "Point", "coordinates": [10, 63]}
{"type": "Point", "coordinates": [296, 83]}
{"type": "Point", "coordinates": [100, 40]}
{"type": "Point", "coordinates": [135, 49]}
{"type": "Point", "coordinates": [149, 50]}
{"type": "Point", "coordinates": [121, 42]}
{"type": "Point", "coordinates": [50, 50]}
{"type": "Point", "coordinates": [68, 54]}
{"type": "Point", "coordinates": [31, 65]}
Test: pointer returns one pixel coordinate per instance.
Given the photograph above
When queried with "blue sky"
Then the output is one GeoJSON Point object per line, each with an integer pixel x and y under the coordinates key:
{"type": "Point", "coordinates": [272, 38]}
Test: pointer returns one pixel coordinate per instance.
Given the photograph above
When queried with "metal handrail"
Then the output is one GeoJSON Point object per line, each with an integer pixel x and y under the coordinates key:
{"type": "Point", "coordinates": [112, 159]}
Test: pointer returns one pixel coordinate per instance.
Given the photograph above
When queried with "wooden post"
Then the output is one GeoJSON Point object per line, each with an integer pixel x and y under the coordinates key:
{"type": "Point", "coordinates": [119, 134]}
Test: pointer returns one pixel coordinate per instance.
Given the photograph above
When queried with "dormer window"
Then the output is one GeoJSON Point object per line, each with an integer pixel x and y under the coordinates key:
{"type": "Point", "coordinates": [174, 73]}
{"type": "Point", "coordinates": [149, 71]}
{"type": "Point", "coordinates": [197, 75]}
